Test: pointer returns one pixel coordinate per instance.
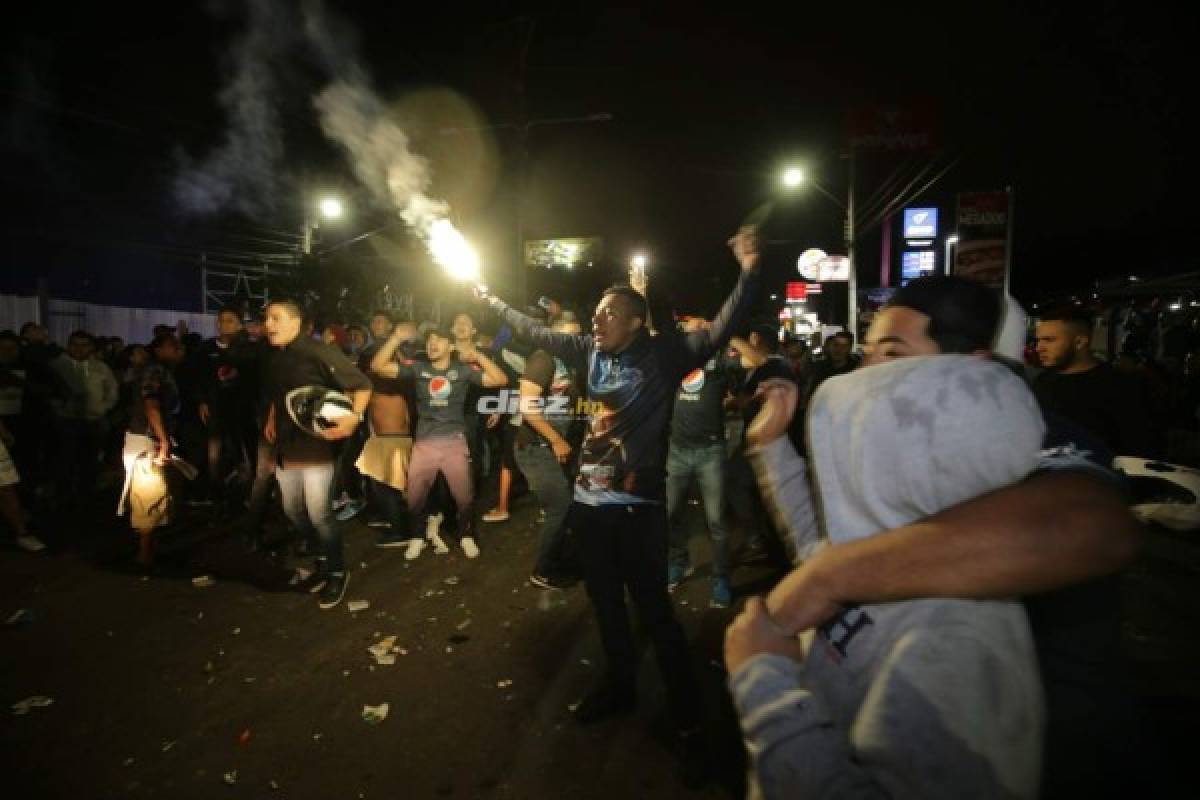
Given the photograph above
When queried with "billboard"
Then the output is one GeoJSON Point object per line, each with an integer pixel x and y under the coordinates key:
{"type": "Point", "coordinates": [920, 223]}
{"type": "Point", "coordinates": [917, 264]}
{"type": "Point", "coordinates": [982, 252]}
{"type": "Point", "coordinates": [563, 253]}
{"type": "Point", "coordinates": [833, 268]}
{"type": "Point", "coordinates": [910, 127]}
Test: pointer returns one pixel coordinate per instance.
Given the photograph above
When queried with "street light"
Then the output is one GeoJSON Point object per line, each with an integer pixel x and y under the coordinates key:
{"type": "Point", "coordinates": [792, 177]}
{"type": "Point", "coordinates": [331, 208]}
{"type": "Point", "coordinates": [637, 266]}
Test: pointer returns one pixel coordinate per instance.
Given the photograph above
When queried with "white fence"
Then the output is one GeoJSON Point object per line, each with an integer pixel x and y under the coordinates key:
{"type": "Point", "coordinates": [131, 324]}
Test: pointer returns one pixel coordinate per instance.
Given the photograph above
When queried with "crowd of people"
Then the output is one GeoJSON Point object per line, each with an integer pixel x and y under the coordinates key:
{"type": "Point", "coordinates": [946, 525]}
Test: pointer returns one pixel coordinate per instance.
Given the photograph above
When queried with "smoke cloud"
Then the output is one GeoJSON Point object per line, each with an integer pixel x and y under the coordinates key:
{"type": "Point", "coordinates": [244, 172]}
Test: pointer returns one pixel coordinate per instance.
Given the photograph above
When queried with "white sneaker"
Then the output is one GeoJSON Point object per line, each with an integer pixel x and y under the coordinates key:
{"type": "Point", "coordinates": [439, 544]}
{"type": "Point", "coordinates": [433, 524]}
{"type": "Point", "coordinates": [413, 551]}
{"type": "Point", "coordinates": [31, 544]}
{"type": "Point", "coordinates": [470, 549]}
{"type": "Point", "coordinates": [495, 515]}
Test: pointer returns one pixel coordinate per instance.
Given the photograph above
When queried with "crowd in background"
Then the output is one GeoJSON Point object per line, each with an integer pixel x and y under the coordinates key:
{"type": "Point", "coordinates": [430, 419]}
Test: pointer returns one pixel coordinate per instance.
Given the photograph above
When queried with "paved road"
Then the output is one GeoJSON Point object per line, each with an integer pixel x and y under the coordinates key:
{"type": "Point", "coordinates": [160, 689]}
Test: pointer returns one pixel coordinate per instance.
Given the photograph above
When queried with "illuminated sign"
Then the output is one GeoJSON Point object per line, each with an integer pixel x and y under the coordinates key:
{"type": "Point", "coordinates": [917, 264]}
{"type": "Point", "coordinates": [920, 223]}
{"type": "Point", "coordinates": [563, 253]}
{"type": "Point", "coordinates": [833, 268]}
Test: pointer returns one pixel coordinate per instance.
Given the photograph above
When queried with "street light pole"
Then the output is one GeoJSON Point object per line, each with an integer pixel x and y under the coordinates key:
{"type": "Point", "coordinates": [852, 282]}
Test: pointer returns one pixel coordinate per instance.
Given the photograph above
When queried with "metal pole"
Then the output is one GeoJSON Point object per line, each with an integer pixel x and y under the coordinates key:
{"type": "Point", "coordinates": [852, 283]}
{"type": "Point", "coordinates": [1008, 244]}
{"type": "Point", "coordinates": [522, 158]}
{"type": "Point", "coordinates": [306, 243]}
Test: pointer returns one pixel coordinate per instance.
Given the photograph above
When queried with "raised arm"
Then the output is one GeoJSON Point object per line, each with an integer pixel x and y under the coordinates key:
{"type": "Point", "coordinates": [493, 376]}
{"type": "Point", "coordinates": [569, 347]}
{"type": "Point", "coordinates": [701, 344]}
{"type": "Point", "coordinates": [384, 362]}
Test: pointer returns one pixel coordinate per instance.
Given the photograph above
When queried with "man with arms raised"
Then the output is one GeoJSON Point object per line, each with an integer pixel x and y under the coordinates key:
{"type": "Point", "coordinates": [442, 385]}
{"type": "Point", "coordinates": [618, 511]}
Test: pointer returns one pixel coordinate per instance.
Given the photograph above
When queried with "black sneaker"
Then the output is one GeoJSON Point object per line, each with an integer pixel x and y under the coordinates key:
{"type": "Point", "coordinates": [334, 590]}
{"type": "Point", "coordinates": [551, 581]}
{"type": "Point", "coordinates": [604, 702]}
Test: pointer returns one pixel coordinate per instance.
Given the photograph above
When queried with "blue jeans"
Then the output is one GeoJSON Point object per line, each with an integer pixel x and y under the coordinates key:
{"type": "Point", "coordinates": [706, 464]}
{"type": "Point", "coordinates": [305, 492]}
{"type": "Point", "coordinates": [552, 486]}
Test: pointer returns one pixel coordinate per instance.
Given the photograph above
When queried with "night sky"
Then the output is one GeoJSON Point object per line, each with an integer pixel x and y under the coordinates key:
{"type": "Point", "coordinates": [1083, 112]}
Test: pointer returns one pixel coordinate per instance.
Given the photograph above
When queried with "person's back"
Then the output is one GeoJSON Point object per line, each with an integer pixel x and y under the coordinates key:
{"type": "Point", "coordinates": [923, 698]}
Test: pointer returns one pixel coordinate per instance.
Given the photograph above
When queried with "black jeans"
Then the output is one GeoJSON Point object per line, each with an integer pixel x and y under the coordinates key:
{"type": "Point", "coordinates": [626, 547]}
{"type": "Point", "coordinates": [229, 450]}
{"type": "Point", "coordinates": [82, 441]}
{"type": "Point", "coordinates": [390, 502]}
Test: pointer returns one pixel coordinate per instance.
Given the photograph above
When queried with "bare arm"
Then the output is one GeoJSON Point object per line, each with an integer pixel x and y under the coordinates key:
{"type": "Point", "coordinates": [384, 362]}
{"type": "Point", "coordinates": [531, 413]}
{"type": "Point", "coordinates": [493, 376]}
{"type": "Point", "coordinates": [155, 419]}
{"type": "Point", "coordinates": [751, 358]}
{"type": "Point", "coordinates": [1050, 531]}
{"type": "Point", "coordinates": [269, 427]}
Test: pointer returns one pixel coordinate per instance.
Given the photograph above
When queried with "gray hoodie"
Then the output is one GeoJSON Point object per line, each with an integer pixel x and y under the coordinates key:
{"type": "Point", "coordinates": [925, 698]}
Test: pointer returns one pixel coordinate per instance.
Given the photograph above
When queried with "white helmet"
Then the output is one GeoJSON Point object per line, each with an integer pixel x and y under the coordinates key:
{"type": "Point", "coordinates": [315, 409]}
{"type": "Point", "coordinates": [1164, 493]}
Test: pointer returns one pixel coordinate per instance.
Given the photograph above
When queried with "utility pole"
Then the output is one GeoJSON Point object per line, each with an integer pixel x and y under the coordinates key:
{"type": "Point", "coordinates": [852, 282]}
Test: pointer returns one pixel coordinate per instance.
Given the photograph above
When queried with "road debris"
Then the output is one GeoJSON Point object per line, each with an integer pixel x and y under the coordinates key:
{"type": "Point", "coordinates": [22, 616]}
{"type": "Point", "coordinates": [231, 777]}
{"type": "Point", "coordinates": [384, 651]}
{"type": "Point", "coordinates": [462, 626]}
{"type": "Point", "coordinates": [504, 684]}
{"type": "Point", "coordinates": [166, 746]}
{"type": "Point", "coordinates": [354, 606]}
{"type": "Point", "coordinates": [204, 581]}
{"type": "Point", "coordinates": [451, 581]}
{"type": "Point", "coordinates": [373, 715]}
{"type": "Point", "coordinates": [245, 737]}
{"type": "Point", "coordinates": [23, 707]}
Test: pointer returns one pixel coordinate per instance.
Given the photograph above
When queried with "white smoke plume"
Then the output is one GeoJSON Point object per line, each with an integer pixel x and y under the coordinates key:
{"type": "Point", "coordinates": [354, 117]}
{"type": "Point", "coordinates": [378, 151]}
{"type": "Point", "coordinates": [244, 172]}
